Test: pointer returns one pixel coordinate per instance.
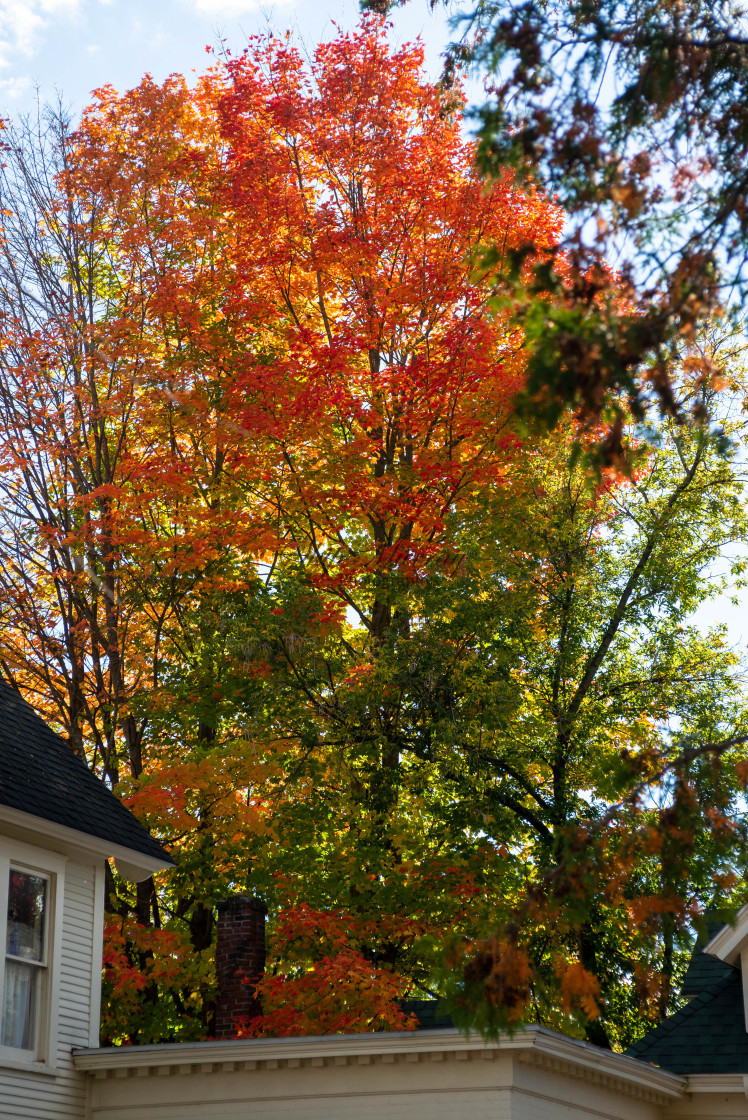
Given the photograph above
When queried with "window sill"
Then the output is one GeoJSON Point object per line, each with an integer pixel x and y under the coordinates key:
{"type": "Point", "coordinates": [26, 1065]}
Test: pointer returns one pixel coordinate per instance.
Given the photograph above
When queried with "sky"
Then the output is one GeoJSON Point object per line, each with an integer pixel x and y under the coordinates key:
{"type": "Point", "coordinates": [75, 46]}
{"type": "Point", "coordinates": [71, 47]}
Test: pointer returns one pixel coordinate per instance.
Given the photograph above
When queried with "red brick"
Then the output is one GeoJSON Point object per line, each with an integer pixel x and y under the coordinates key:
{"type": "Point", "coordinates": [240, 960]}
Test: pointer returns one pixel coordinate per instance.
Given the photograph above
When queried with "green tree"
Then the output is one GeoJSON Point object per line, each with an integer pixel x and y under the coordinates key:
{"type": "Point", "coordinates": [397, 670]}
{"type": "Point", "coordinates": [552, 709]}
{"type": "Point", "coordinates": [589, 752]}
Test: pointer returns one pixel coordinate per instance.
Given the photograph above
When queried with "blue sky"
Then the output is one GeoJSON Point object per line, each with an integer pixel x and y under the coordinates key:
{"type": "Point", "coordinates": [74, 46]}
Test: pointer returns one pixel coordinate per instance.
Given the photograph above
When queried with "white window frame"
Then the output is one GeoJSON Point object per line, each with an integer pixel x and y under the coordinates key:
{"type": "Point", "coordinates": [23, 857]}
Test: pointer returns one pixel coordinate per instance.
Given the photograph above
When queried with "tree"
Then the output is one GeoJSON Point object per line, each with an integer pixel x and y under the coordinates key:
{"type": "Point", "coordinates": [633, 116]}
{"type": "Point", "coordinates": [380, 720]}
{"type": "Point", "coordinates": [551, 706]}
{"type": "Point", "coordinates": [105, 580]}
{"type": "Point", "coordinates": [64, 418]}
{"type": "Point", "coordinates": [384, 408]}
{"type": "Point", "coordinates": [354, 583]}
{"type": "Point", "coordinates": [589, 757]}
{"type": "Point", "coordinates": [198, 340]}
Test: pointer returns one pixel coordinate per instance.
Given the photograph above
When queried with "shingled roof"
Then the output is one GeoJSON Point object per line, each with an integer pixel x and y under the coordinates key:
{"type": "Point", "coordinates": [704, 971]}
{"type": "Point", "coordinates": [428, 1013]}
{"type": "Point", "coordinates": [41, 775]}
{"type": "Point", "coordinates": [708, 1035]}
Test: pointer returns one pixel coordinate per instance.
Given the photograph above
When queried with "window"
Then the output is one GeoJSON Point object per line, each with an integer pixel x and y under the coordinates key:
{"type": "Point", "coordinates": [25, 958]}
{"type": "Point", "coordinates": [31, 886]}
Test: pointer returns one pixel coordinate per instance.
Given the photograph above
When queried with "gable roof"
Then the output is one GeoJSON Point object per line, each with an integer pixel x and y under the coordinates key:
{"type": "Point", "coordinates": [708, 1035]}
{"type": "Point", "coordinates": [704, 970]}
{"type": "Point", "coordinates": [42, 776]}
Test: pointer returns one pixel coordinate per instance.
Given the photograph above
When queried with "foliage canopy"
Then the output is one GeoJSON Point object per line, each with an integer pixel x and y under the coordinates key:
{"type": "Point", "coordinates": [633, 116]}
{"type": "Point", "coordinates": [278, 560]}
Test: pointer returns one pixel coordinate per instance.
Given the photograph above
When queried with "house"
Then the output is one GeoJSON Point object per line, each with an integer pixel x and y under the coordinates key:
{"type": "Point", "coordinates": [58, 824]}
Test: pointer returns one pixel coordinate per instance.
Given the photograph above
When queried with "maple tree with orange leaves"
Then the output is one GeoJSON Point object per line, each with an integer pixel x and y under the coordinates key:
{"type": "Point", "coordinates": [337, 632]}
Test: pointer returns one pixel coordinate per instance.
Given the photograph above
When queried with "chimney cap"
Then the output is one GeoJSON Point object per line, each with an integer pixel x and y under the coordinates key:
{"type": "Point", "coordinates": [241, 902]}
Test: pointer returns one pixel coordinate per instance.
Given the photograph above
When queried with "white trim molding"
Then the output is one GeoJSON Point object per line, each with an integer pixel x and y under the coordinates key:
{"type": "Point", "coordinates": [44, 1056]}
{"type": "Point", "coordinates": [537, 1045]}
{"type": "Point", "coordinates": [720, 1083]}
{"type": "Point", "coordinates": [727, 944]}
{"type": "Point", "coordinates": [130, 864]}
{"type": "Point", "coordinates": [97, 953]}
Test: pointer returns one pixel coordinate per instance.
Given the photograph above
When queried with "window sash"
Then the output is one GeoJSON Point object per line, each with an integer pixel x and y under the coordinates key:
{"type": "Point", "coordinates": [32, 932]}
{"type": "Point", "coordinates": [20, 1006]}
{"type": "Point", "coordinates": [18, 855]}
{"type": "Point", "coordinates": [24, 974]}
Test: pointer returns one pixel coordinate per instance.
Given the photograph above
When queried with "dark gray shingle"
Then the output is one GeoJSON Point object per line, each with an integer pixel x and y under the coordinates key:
{"type": "Point", "coordinates": [704, 971]}
{"type": "Point", "coordinates": [428, 1012]}
{"type": "Point", "coordinates": [41, 775]}
{"type": "Point", "coordinates": [706, 1036]}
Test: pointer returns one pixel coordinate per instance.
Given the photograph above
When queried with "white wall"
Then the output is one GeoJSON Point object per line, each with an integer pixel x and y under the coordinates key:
{"type": "Point", "coordinates": [727, 1100]}
{"type": "Point", "coordinates": [60, 1095]}
{"type": "Point", "coordinates": [487, 1085]}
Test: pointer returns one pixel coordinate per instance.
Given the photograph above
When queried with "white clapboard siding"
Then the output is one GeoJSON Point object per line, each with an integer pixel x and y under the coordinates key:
{"type": "Point", "coordinates": [62, 1096]}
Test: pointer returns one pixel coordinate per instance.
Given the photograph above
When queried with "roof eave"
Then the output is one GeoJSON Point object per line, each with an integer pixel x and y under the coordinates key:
{"type": "Point", "coordinates": [727, 944]}
{"type": "Point", "coordinates": [722, 1083]}
{"type": "Point", "coordinates": [131, 864]}
{"type": "Point", "coordinates": [533, 1043]}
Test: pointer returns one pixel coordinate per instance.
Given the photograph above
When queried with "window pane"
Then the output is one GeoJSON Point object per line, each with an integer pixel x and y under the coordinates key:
{"type": "Point", "coordinates": [27, 898]}
{"type": "Point", "coordinates": [19, 1005]}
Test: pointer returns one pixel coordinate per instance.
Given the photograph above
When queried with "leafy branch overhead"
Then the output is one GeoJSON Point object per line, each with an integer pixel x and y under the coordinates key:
{"type": "Point", "coordinates": [634, 117]}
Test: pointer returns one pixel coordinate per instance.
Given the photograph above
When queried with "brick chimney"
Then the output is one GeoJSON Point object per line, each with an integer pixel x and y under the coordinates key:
{"type": "Point", "coordinates": [240, 956]}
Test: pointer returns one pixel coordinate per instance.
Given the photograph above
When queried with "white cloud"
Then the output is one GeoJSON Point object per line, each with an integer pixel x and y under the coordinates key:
{"type": "Point", "coordinates": [226, 9]}
{"type": "Point", "coordinates": [22, 21]}
{"type": "Point", "coordinates": [13, 89]}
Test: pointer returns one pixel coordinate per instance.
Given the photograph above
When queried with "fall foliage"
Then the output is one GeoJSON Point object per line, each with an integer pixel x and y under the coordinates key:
{"type": "Point", "coordinates": [277, 559]}
{"type": "Point", "coordinates": [632, 115]}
